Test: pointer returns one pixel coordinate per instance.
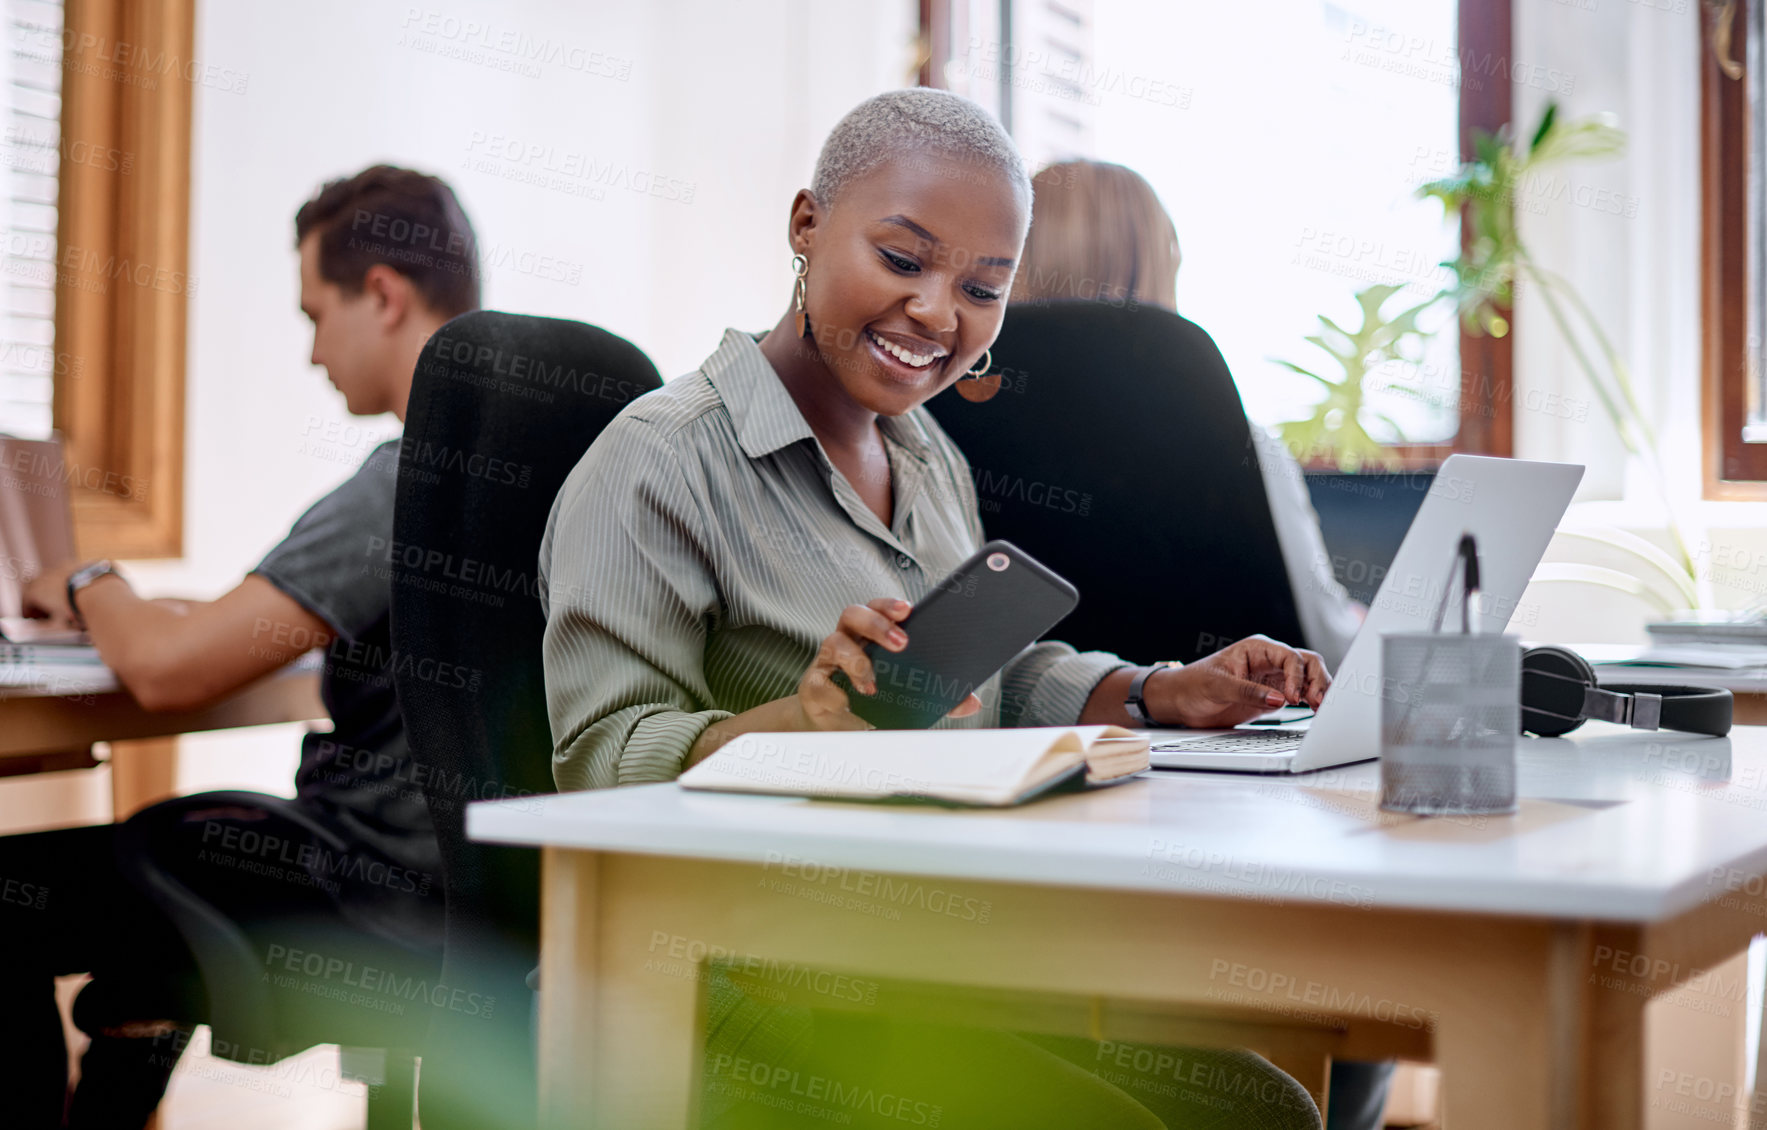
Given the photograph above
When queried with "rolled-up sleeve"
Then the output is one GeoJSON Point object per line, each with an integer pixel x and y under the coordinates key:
{"type": "Point", "coordinates": [629, 591]}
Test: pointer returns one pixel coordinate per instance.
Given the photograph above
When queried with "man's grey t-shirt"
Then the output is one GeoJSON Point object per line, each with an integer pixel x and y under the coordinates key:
{"type": "Point", "coordinates": [360, 776]}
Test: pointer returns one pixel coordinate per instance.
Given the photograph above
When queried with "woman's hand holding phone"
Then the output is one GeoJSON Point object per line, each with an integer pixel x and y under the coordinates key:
{"type": "Point", "coordinates": [822, 701]}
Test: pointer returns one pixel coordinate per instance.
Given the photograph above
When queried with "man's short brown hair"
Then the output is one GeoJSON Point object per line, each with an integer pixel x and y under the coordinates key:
{"type": "Point", "coordinates": [409, 221]}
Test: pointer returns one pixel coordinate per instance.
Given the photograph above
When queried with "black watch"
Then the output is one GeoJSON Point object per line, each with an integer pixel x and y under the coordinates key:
{"type": "Point", "coordinates": [82, 577]}
{"type": "Point", "coordinates": [1135, 705]}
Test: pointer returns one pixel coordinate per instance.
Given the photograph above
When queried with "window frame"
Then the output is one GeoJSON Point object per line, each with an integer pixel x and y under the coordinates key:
{"type": "Point", "coordinates": [1732, 468]}
{"type": "Point", "coordinates": [1484, 30]}
{"type": "Point", "coordinates": [122, 284]}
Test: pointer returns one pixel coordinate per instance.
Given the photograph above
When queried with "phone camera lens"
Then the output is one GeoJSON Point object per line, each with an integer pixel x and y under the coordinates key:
{"type": "Point", "coordinates": [998, 562]}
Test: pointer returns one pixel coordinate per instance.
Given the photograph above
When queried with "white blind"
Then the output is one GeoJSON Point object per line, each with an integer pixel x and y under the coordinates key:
{"type": "Point", "coordinates": [1056, 85]}
{"type": "Point", "coordinates": [1032, 63]}
{"type": "Point", "coordinates": [31, 152]}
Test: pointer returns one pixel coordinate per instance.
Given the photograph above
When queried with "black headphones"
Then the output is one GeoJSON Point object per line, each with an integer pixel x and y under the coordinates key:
{"type": "Point", "coordinates": [1559, 694]}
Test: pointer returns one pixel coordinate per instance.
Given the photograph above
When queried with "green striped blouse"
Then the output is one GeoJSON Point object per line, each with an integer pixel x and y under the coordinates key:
{"type": "Point", "coordinates": [705, 545]}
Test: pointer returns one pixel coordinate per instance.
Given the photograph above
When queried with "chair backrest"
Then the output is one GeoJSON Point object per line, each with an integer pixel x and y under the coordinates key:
{"type": "Point", "coordinates": [1118, 453]}
{"type": "Point", "coordinates": [502, 407]}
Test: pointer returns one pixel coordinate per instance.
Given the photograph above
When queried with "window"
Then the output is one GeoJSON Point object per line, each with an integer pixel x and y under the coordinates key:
{"type": "Point", "coordinates": [121, 265]}
{"type": "Point", "coordinates": [1287, 141]}
{"type": "Point", "coordinates": [1733, 86]}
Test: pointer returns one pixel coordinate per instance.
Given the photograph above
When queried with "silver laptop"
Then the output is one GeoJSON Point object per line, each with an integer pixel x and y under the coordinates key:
{"type": "Point", "coordinates": [36, 532]}
{"type": "Point", "coordinates": [1510, 506]}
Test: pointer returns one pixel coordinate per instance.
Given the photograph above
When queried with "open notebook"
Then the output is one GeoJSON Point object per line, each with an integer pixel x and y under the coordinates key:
{"type": "Point", "coordinates": [974, 767]}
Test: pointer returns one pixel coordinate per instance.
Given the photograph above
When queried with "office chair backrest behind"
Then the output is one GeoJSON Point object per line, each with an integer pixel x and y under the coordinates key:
{"type": "Point", "coordinates": [502, 407]}
{"type": "Point", "coordinates": [1118, 453]}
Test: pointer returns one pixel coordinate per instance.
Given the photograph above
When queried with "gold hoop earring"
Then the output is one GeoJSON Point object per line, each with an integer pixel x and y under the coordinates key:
{"type": "Point", "coordinates": [800, 267]}
{"type": "Point", "coordinates": [982, 370]}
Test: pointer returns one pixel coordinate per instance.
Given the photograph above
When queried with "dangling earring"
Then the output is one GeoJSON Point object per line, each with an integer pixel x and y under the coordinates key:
{"type": "Point", "coordinates": [977, 385]}
{"type": "Point", "coordinates": [800, 267]}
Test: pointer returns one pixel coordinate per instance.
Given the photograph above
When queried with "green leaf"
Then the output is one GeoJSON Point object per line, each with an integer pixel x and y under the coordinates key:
{"type": "Point", "coordinates": [1334, 426]}
{"type": "Point", "coordinates": [1595, 137]}
{"type": "Point", "coordinates": [1398, 432]}
{"type": "Point", "coordinates": [1545, 127]}
{"type": "Point", "coordinates": [1294, 368]}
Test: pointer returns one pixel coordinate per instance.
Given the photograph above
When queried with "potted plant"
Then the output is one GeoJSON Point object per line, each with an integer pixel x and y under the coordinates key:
{"type": "Point", "coordinates": [1494, 261]}
{"type": "Point", "coordinates": [1336, 432]}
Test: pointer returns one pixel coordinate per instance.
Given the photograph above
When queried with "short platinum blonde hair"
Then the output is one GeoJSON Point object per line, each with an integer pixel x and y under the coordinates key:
{"type": "Point", "coordinates": [909, 125]}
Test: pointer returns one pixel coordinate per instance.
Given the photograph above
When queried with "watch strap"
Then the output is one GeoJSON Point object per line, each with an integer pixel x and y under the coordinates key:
{"type": "Point", "coordinates": [1135, 705]}
{"type": "Point", "coordinates": [82, 577]}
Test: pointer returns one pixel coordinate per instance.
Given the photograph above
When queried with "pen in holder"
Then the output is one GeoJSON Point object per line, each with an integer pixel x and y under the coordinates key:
{"type": "Point", "coordinates": [1450, 711]}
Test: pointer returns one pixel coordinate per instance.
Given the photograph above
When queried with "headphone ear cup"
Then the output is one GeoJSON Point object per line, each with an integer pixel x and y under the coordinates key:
{"type": "Point", "coordinates": [1553, 682]}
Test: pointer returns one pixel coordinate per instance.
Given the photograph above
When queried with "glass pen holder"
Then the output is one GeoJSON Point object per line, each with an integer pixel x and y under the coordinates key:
{"type": "Point", "coordinates": [1449, 720]}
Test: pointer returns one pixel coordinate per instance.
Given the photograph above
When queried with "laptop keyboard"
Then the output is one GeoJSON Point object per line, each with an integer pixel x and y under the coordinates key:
{"type": "Point", "coordinates": [1233, 743]}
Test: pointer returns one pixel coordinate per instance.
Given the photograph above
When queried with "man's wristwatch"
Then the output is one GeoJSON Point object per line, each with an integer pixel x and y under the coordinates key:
{"type": "Point", "coordinates": [1134, 704]}
{"type": "Point", "coordinates": [82, 577]}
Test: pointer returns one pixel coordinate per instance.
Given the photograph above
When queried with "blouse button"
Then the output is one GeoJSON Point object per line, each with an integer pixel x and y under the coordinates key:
{"type": "Point", "coordinates": [903, 561]}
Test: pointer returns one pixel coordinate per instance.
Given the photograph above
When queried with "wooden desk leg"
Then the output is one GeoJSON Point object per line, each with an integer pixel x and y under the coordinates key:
{"type": "Point", "coordinates": [1613, 1083]}
{"type": "Point", "coordinates": [568, 920]}
{"type": "Point", "coordinates": [142, 772]}
{"type": "Point", "coordinates": [1554, 1036]}
{"type": "Point", "coordinates": [1514, 1038]}
{"type": "Point", "coordinates": [620, 1033]}
{"type": "Point", "coordinates": [1696, 1050]}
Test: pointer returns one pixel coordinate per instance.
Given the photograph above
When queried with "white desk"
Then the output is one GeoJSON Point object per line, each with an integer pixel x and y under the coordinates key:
{"type": "Point", "coordinates": [1517, 952]}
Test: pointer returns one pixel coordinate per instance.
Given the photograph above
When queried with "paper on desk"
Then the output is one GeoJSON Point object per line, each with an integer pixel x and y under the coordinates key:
{"type": "Point", "coordinates": [1716, 657]}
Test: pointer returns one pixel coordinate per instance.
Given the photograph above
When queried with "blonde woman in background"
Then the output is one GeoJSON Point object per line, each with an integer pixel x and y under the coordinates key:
{"type": "Point", "coordinates": [1099, 234]}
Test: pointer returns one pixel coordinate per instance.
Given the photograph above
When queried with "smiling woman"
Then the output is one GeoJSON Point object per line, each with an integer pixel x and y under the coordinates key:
{"type": "Point", "coordinates": [701, 551]}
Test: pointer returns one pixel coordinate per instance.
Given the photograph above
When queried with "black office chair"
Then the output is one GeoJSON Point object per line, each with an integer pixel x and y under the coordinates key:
{"type": "Point", "coordinates": [255, 1012]}
{"type": "Point", "coordinates": [1118, 453]}
{"type": "Point", "coordinates": [502, 408]}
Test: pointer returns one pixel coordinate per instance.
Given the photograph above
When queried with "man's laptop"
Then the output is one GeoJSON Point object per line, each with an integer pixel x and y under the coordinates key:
{"type": "Point", "coordinates": [1510, 506]}
{"type": "Point", "coordinates": [36, 532]}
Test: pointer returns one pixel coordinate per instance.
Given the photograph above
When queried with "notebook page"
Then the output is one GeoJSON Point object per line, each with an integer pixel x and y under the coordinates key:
{"type": "Point", "coordinates": [959, 763]}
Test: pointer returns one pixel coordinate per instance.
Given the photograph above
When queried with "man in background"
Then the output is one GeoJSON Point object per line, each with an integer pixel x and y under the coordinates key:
{"type": "Point", "coordinates": [350, 864]}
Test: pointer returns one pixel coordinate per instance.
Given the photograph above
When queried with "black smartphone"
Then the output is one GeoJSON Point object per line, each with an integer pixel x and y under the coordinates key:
{"type": "Point", "coordinates": [989, 609]}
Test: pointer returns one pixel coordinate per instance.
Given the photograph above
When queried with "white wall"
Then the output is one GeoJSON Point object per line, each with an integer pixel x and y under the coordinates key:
{"type": "Point", "coordinates": [1624, 232]}
{"type": "Point", "coordinates": [725, 103]}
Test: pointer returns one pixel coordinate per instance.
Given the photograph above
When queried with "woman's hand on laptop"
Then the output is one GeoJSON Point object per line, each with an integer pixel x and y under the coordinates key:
{"type": "Point", "coordinates": [1238, 683]}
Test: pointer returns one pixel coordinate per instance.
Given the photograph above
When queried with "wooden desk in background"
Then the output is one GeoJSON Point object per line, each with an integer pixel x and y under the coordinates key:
{"type": "Point", "coordinates": [1518, 953]}
{"type": "Point", "coordinates": [1751, 708]}
{"type": "Point", "coordinates": [51, 723]}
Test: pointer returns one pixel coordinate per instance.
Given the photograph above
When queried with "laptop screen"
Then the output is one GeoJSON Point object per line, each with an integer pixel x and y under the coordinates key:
{"type": "Point", "coordinates": [36, 516]}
